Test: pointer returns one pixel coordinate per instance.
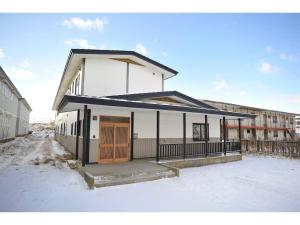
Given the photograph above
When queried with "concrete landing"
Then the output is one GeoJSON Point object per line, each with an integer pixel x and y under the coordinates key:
{"type": "Point", "coordinates": [102, 175]}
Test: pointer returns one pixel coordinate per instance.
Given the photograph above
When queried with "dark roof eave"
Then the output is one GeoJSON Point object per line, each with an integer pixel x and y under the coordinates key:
{"type": "Point", "coordinates": [119, 103]}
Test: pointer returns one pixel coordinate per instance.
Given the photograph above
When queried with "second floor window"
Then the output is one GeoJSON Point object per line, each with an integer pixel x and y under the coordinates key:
{"type": "Point", "coordinates": [274, 119]}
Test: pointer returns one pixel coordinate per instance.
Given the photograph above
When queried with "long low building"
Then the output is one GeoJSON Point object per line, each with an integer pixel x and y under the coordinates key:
{"type": "Point", "coordinates": [267, 125]}
{"type": "Point", "coordinates": [14, 110]}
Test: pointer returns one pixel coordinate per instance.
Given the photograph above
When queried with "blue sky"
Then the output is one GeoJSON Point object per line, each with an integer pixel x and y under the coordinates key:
{"type": "Point", "coordinates": [250, 59]}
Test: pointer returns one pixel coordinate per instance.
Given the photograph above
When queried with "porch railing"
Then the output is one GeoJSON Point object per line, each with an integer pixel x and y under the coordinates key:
{"type": "Point", "coordinates": [194, 150]}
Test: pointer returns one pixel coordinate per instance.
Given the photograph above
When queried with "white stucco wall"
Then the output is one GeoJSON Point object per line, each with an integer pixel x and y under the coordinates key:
{"type": "Point", "coordinates": [142, 79]}
{"type": "Point", "coordinates": [171, 124]}
{"type": "Point", "coordinates": [104, 77]}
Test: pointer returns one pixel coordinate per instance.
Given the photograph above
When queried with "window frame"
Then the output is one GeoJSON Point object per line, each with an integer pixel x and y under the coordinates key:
{"type": "Point", "coordinates": [200, 134]}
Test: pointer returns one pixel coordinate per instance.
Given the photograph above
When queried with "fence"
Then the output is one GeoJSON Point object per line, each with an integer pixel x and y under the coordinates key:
{"type": "Point", "coordinates": [193, 150]}
{"type": "Point", "coordinates": [284, 148]}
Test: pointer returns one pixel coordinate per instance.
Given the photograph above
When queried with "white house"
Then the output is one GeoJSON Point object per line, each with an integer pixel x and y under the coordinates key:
{"type": "Point", "coordinates": [14, 110]}
{"type": "Point", "coordinates": [112, 107]}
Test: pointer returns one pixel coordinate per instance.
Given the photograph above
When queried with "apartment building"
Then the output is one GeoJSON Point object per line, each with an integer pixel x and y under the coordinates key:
{"type": "Point", "coordinates": [267, 125]}
{"type": "Point", "coordinates": [14, 110]}
{"type": "Point", "coordinates": [297, 120]}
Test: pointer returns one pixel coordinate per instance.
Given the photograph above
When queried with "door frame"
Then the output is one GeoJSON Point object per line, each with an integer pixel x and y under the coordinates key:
{"type": "Point", "coordinates": [114, 124]}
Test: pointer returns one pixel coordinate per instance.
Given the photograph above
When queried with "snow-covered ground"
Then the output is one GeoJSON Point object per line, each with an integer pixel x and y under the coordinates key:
{"type": "Point", "coordinates": [34, 177]}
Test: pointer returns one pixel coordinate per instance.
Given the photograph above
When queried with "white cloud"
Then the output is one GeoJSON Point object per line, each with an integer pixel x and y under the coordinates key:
{"type": "Point", "coordinates": [24, 64]}
{"type": "Point", "coordinates": [266, 67]}
{"type": "Point", "coordinates": [140, 48]}
{"type": "Point", "coordinates": [164, 53]}
{"type": "Point", "coordinates": [1, 53]}
{"type": "Point", "coordinates": [21, 74]}
{"type": "Point", "coordinates": [220, 83]}
{"type": "Point", "coordinates": [288, 57]}
{"type": "Point", "coordinates": [97, 24]}
{"type": "Point", "coordinates": [269, 49]}
{"type": "Point", "coordinates": [79, 43]}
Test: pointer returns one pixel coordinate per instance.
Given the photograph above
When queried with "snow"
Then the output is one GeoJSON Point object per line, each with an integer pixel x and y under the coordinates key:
{"type": "Point", "coordinates": [257, 183]}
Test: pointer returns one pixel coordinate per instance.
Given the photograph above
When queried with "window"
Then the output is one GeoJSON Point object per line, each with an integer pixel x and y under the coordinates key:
{"type": "Point", "coordinates": [274, 119]}
{"type": "Point", "coordinates": [199, 131]}
{"type": "Point", "coordinates": [291, 120]}
{"type": "Point", "coordinates": [248, 131]}
{"type": "Point", "coordinates": [275, 133]}
{"type": "Point", "coordinates": [71, 129]}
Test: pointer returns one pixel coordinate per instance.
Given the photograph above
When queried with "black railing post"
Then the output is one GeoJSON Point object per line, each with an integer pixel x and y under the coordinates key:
{"type": "Point", "coordinates": [157, 136]}
{"type": "Point", "coordinates": [184, 134]}
{"type": "Point", "coordinates": [132, 136]}
{"type": "Point", "coordinates": [77, 134]}
{"type": "Point", "coordinates": [224, 136]}
{"type": "Point", "coordinates": [206, 136]}
{"type": "Point", "coordinates": [240, 135]}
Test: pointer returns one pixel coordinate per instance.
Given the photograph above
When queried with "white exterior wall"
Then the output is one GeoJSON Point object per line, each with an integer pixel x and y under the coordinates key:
{"type": "Point", "coordinates": [23, 120]}
{"type": "Point", "coordinates": [104, 77]}
{"type": "Point", "coordinates": [171, 124]}
{"type": "Point", "coordinates": [8, 111]}
{"type": "Point", "coordinates": [142, 79]}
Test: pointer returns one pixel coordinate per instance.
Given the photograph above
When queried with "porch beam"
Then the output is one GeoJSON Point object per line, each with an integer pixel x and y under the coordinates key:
{"type": "Point", "coordinates": [131, 135]}
{"type": "Point", "coordinates": [77, 133]}
{"type": "Point", "coordinates": [184, 135]}
{"type": "Point", "coordinates": [206, 136]}
{"type": "Point", "coordinates": [157, 136]}
{"type": "Point", "coordinates": [224, 135]}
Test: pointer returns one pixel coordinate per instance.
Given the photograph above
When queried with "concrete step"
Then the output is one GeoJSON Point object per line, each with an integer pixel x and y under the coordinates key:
{"type": "Point", "coordinates": [128, 178]}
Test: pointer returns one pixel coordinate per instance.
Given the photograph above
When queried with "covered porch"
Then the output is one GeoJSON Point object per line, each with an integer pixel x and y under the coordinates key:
{"type": "Point", "coordinates": [147, 130]}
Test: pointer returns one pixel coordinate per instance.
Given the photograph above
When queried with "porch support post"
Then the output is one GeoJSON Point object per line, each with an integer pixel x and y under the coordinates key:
{"type": "Point", "coordinates": [184, 134]}
{"type": "Point", "coordinates": [77, 133]}
{"type": "Point", "coordinates": [240, 135]}
{"type": "Point", "coordinates": [84, 131]}
{"type": "Point", "coordinates": [206, 136]}
{"type": "Point", "coordinates": [221, 130]}
{"type": "Point", "coordinates": [157, 136]}
{"type": "Point", "coordinates": [86, 135]}
{"type": "Point", "coordinates": [131, 135]}
{"type": "Point", "coordinates": [224, 136]}
{"type": "Point", "coordinates": [88, 130]}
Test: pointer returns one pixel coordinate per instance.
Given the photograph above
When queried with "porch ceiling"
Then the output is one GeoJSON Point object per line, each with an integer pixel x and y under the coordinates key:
{"type": "Point", "coordinates": [72, 103]}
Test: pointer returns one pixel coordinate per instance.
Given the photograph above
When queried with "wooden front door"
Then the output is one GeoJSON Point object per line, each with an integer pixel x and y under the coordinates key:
{"type": "Point", "coordinates": [114, 140]}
